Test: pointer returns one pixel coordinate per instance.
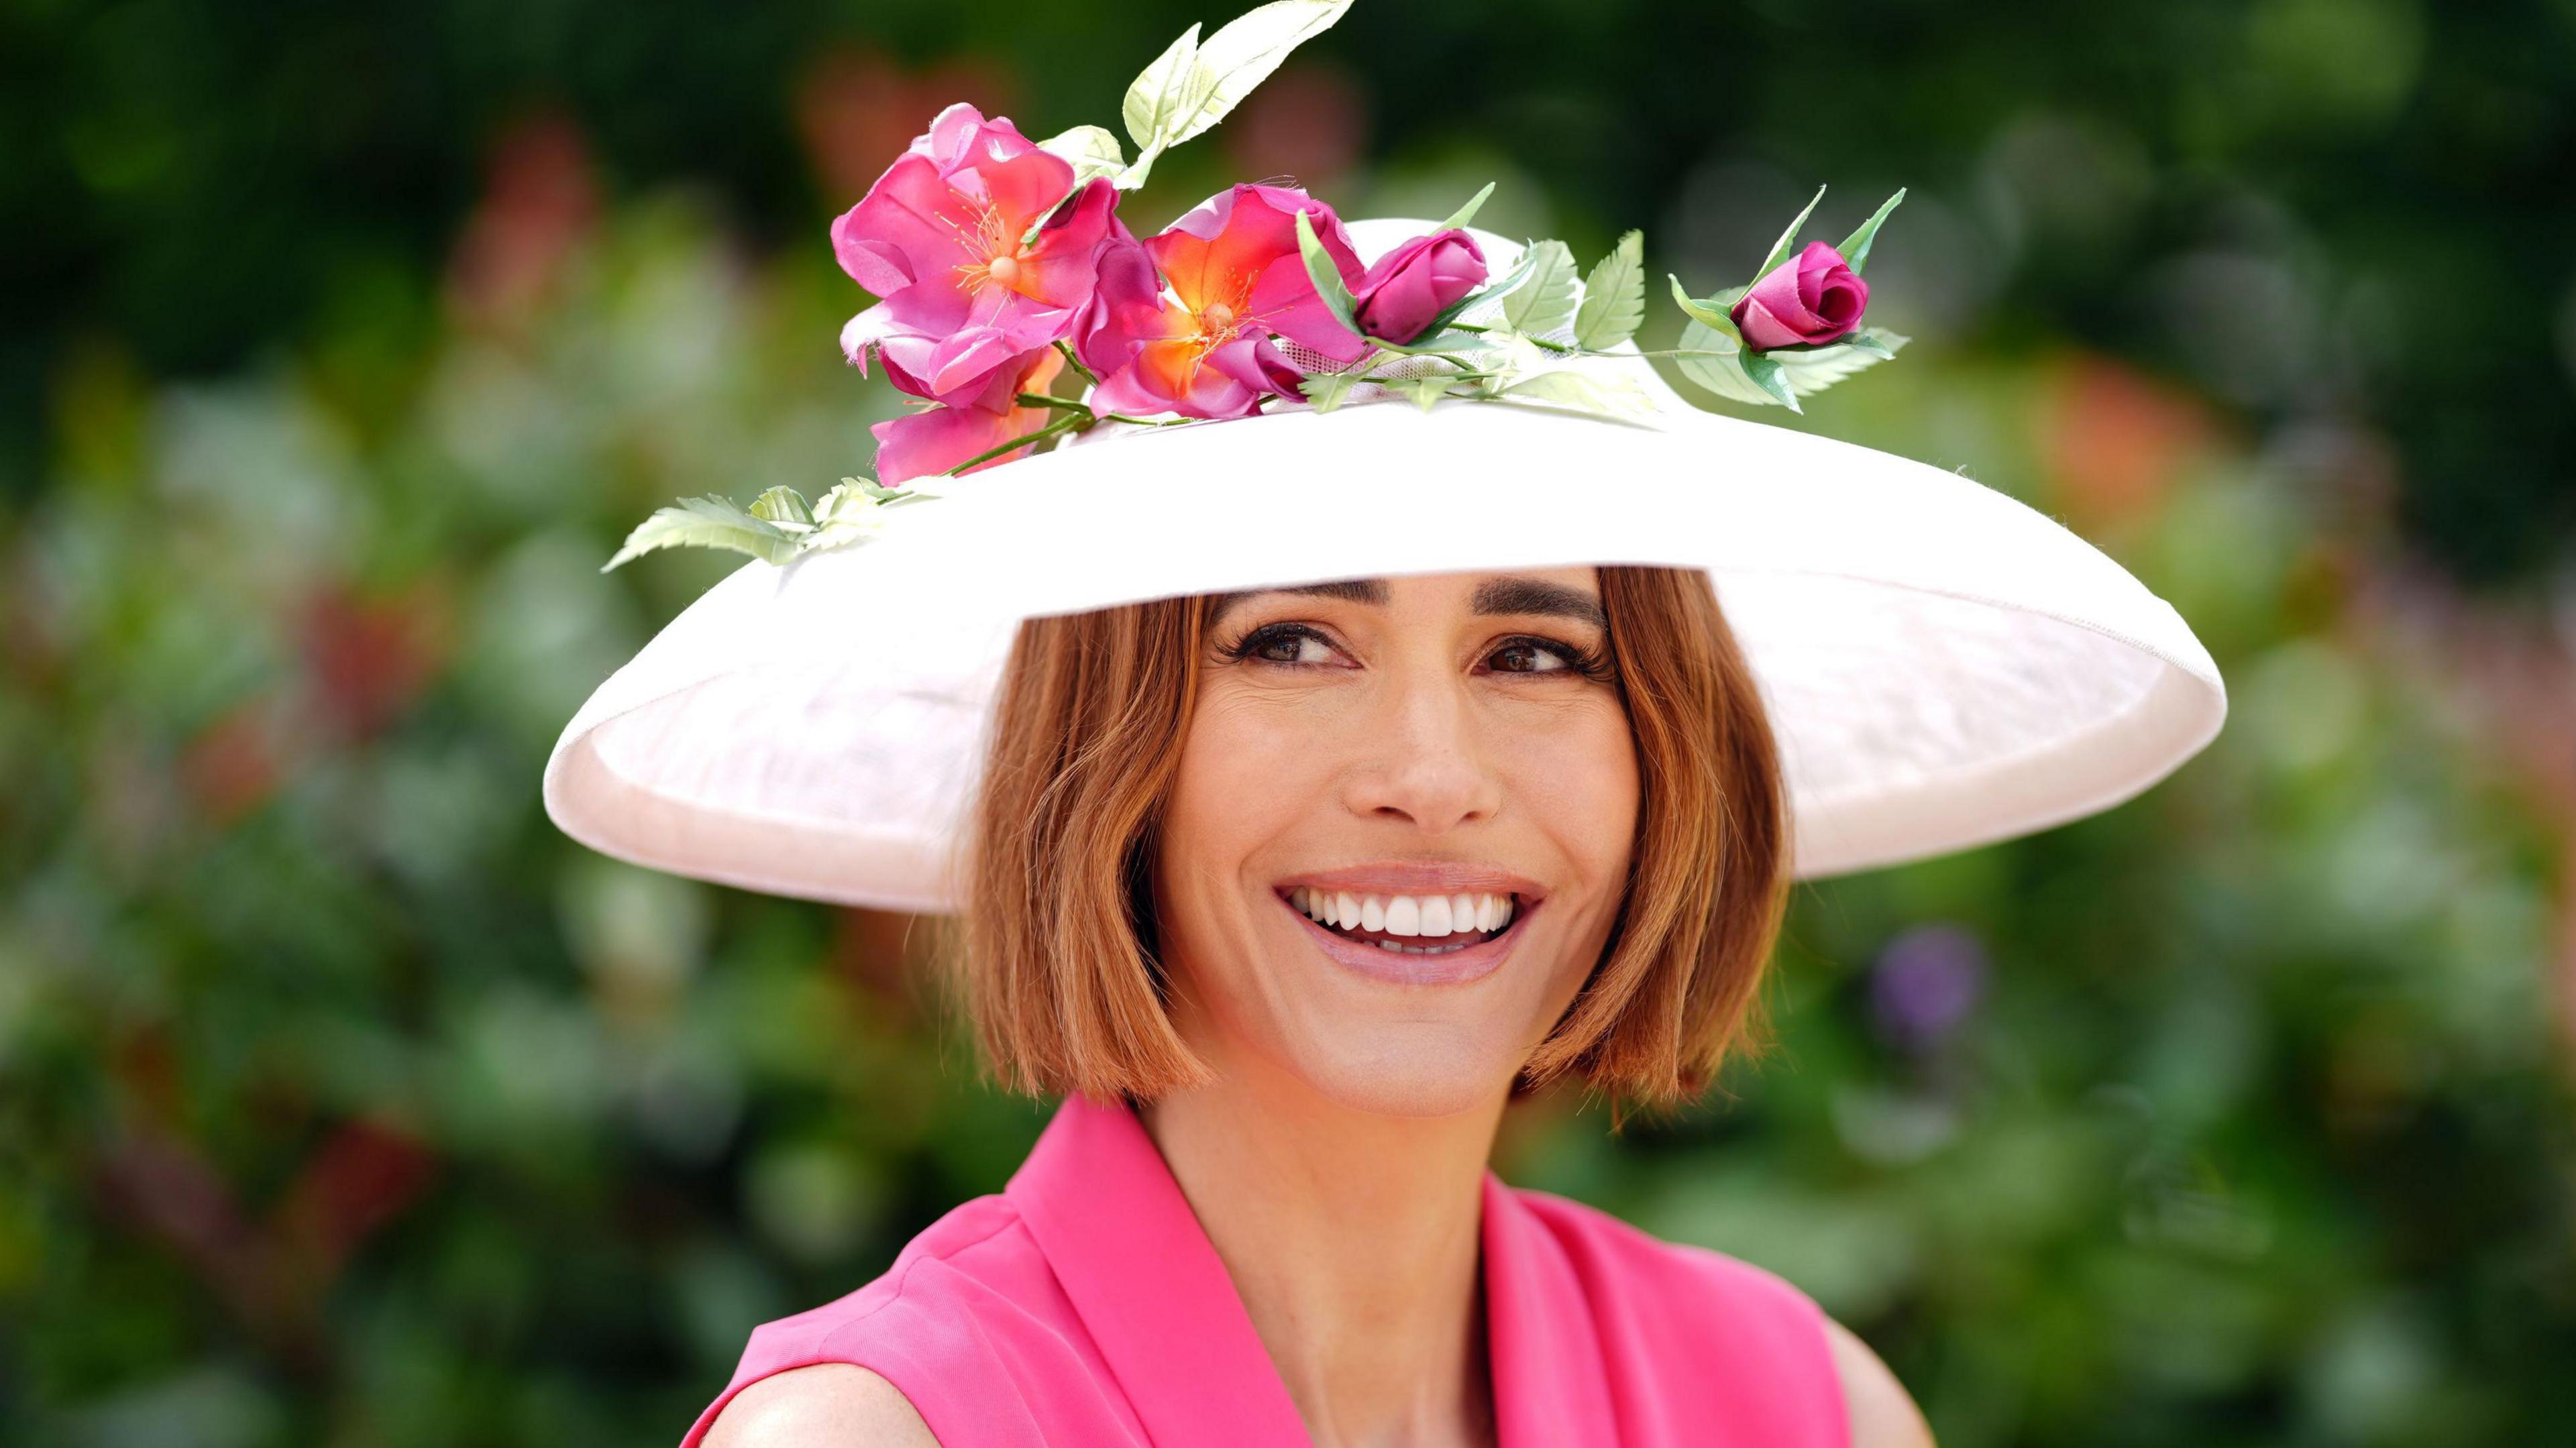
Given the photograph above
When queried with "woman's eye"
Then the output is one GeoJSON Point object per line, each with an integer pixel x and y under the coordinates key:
{"type": "Point", "coordinates": [1527, 656]}
{"type": "Point", "coordinates": [1290, 646]}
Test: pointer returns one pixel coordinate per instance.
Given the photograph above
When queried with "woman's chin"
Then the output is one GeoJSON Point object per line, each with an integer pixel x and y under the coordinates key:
{"type": "Point", "coordinates": [1411, 1073]}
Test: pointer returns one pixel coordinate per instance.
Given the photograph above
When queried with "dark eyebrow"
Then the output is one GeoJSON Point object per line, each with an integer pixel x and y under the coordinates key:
{"type": "Point", "coordinates": [1371, 591]}
{"type": "Point", "coordinates": [1508, 594]}
{"type": "Point", "coordinates": [1512, 594]}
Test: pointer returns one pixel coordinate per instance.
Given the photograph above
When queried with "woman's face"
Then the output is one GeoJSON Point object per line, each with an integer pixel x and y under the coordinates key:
{"type": "Point", "coordinates": [1400, 832]}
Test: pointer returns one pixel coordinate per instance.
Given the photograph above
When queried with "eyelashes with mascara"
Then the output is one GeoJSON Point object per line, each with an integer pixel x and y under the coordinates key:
{"type": "Point", "coordinates": [1583, 662]}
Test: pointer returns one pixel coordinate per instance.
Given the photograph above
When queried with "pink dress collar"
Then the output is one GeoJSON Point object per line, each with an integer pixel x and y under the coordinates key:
{"type": "Point", "coordinates": [1103, 1205]}
{"type": "Point", "coordinates": [1083, 1307]}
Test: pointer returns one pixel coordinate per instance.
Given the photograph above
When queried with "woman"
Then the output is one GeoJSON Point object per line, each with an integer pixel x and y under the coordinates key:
{"type": "Point", "coordinates": [1390, 837]}
{"type": "Point", "coordinates": [1313, 778]}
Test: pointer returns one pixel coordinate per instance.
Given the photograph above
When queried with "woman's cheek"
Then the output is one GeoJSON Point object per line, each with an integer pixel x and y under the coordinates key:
{"type": "Point", "coordinates": [1585, 790]}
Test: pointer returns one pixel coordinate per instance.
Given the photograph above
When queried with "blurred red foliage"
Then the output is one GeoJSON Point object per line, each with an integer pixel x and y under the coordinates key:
{"type": "Point", "coordinates": [857, 110]}
{"type": "Point", "coordinates": [540, 201]}
{"type": "Point", "coordinates": [2113, 440]}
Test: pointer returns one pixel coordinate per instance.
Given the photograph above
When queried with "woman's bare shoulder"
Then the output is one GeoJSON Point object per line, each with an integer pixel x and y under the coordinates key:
{"type": "Point", "coordinates": [840, 1405]}
{"type": "Point", "coordinates": [1883, 1414]}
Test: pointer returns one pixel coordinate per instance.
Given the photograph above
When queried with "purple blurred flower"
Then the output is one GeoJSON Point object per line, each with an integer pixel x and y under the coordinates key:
{"type": "Point", "coordinates": [1926, 982]}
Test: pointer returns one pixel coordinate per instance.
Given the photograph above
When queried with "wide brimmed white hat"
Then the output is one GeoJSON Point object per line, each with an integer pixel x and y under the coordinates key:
{"type": "Point", "coordinates": [1943, 665]}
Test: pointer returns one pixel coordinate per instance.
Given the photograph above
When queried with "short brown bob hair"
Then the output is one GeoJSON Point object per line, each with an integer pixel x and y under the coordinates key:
{"type": "Point", "coordinates": [1059, 962]}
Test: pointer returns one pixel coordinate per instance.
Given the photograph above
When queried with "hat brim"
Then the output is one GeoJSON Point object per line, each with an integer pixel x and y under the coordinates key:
{"type": "Point", "coordinates": [1943, 665]}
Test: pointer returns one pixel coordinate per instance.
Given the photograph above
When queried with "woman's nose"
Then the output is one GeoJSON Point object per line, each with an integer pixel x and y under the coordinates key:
{"type": "Point", "coordinates": [1422, 760]}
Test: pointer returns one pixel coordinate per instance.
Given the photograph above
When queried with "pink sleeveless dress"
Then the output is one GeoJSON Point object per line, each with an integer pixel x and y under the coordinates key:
{"type": "Point", "coordinates": [1083, 1307]}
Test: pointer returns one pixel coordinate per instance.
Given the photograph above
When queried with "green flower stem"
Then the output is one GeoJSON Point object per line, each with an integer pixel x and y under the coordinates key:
{"type": "Point", "coordinates": [1405, 350]}
{"type": "Point", "coordinates": [1147, 421]}
{"type": "Point", "coordinates": [1466, 374]}
{"type": "Point", "coordinates": [1070, 422]}
{"type": "Point", "coordinates": [1562, 349]}
{"type": "Point", "coordinates": [1070, 360]}
{"type": "Point", "coordinates": [1061, 404]}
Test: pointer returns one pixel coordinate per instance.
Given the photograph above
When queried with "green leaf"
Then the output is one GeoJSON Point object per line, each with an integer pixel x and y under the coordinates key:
{"type": "Point", "coordinates": [1604, 395]}
{"type": "Point", "coordinates": [1721, 337]}
{"type": "Point", "coordinates": [1767, 374]}
{"type": "Point", "coordinates": [707, 523]}
{"type": "Point", "coordinates": [1243, 53]}
{"type": "Point", "coordinates": [1855, 247]}
{"type": "Point", "coordinates": [1467, 213]}
{"type": "Point", "coordinates": [1425, 391]}
{"type": "Point", "coordinates": [848, 513]}
{"type": "Point", "coordinates": [1614, 296]}
{"type": "Point", "coordinates": [1708, 312]}
{"type": "Point", "coordinates": [1139, 169]}
{"type": "Point", "coordinates": [870, 489]}
{"type": "Point", "coordinates": [1713, 357]}
{"type": "Point", "coordinates": [1510, 352]}
{"type": "Point", "coordinates": [1159, 93]}
{"type": "Point", "coordinates": [1092, 151]}
{"type": "Point", "coordinates": [883, 496]}
{"type": "Point", "coordinates": [1326, 276]}
{"type": "Point", "coordinates": [1435, 342]}
{"type": "Point", "coordinates": [1810, 370]}
{"type": "Point", "coordinates": [1788, 239]}
{"type": "Point", "coordinates": [783, 506]}
{"type": "Point", "coordinates": [1195, 84]}
{"type": "Point", "coordinates": [1716, 311]}
{"type": "Point", "coordinates": [1545, 302]}
{"type": "Point", "coordinates": [1502, 286]}
{"type": "Point", "coordinates": [1327, 390]}
{"type": "Point", "coordinates": [1761, 378]}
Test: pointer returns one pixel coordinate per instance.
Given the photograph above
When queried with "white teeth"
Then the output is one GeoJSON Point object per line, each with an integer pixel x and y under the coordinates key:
{"type": "Point", "coordinates": [1435, 915]}
{"type": "Point", "coordinates": [1403, 916]}
{"type": "Point", "coordinates": [1428, 916]}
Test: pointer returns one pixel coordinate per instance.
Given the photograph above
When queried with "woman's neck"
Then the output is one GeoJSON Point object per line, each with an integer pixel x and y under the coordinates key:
{"type": "Point", "coordinates": [1354, 1240]}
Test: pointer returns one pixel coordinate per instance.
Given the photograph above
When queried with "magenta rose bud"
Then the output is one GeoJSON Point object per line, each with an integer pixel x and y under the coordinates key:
{"type": "Point", "coordinates": [1812, 297]}
{"type": "Point", "coordinates": [1415, 283]}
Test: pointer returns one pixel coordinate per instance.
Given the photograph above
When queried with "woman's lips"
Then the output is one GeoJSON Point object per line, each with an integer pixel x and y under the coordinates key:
{"type": "Point", "coordinates": [1419, 877]}
{"type": "Point", "coordinates": [1453, 966]}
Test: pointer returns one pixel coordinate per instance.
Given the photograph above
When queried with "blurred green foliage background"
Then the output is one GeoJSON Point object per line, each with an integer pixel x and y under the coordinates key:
{"type": "Point", "coordinates": [344, 1101]}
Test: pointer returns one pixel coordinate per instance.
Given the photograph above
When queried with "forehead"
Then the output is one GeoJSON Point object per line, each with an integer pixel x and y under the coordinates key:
{"type": "Point", "coordinates": [1560, 592]}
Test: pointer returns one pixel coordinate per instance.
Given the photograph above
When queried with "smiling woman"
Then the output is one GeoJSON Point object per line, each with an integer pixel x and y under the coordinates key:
{"type": "Point", "coordinates": [1289, 891]}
